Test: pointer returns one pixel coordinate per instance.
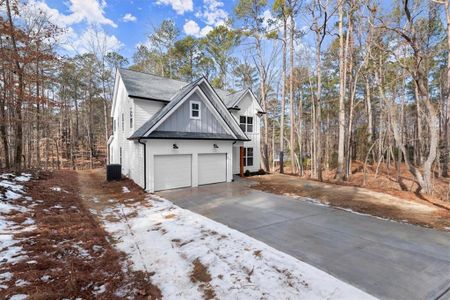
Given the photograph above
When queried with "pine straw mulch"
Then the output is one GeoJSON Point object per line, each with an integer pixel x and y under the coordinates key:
{"type": "Point", "coordinates": [72, 254]}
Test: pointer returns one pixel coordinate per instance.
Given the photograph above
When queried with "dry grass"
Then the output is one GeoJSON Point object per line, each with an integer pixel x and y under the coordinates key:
{"type": "Point", "coordinates": [201, 274]}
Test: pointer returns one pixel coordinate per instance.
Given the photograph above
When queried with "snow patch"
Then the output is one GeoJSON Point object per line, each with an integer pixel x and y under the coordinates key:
{"type": "Point", "coordinates": [99, 289]}
{"type": "Point", "coordinates": [19, 297]}
{"type": "Point", "coordinates": [167, 239]}
{"type": "Point", "coordinates": [125, 189]}
{"type": "Point", "coordinates": [10, 249]}
{"type": "Point", "coordinates": [21, 283]}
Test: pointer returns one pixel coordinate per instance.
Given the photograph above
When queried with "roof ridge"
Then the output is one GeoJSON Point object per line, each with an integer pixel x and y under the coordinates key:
{"type": "Point", "coordinates": [146, 73]}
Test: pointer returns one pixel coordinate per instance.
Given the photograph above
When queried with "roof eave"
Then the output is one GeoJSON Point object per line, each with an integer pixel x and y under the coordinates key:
{"type": "Point", "coordinates": [184, 138]}
{"type": "Point", "coordinates": [147, 98]}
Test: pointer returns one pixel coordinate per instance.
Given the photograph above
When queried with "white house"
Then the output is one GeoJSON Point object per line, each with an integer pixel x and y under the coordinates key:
{"type": "Point", "coordinates": [170, 134]}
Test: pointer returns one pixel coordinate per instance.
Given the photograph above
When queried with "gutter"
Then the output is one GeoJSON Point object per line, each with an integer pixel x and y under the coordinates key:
{"type": "Point", "coordinates": [147, 98]}
{"type": "Point", "coordinates": [145, 163]}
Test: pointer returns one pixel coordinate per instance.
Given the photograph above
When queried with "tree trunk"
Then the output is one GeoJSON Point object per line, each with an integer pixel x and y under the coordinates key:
{"type": "Point", "coordinates": [342, 82]}
{"type": "Point", "coordinates": [291, 95]}
{"type": "Point", "coordinates": [19, 100]}
{"type": "Point", "coordinates": [447, 109]}
{"type": "Point", "coordinates": [369, 113]}
{"type": "Point", "coordinates": [262, 88]}
{"type": "Point", "coordinates": [283, 93]}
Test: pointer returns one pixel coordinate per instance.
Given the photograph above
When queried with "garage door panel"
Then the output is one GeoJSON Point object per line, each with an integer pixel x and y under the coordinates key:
{"type": "Point", "coordinates": [212, 168]}
{"type": "Point", "coordinates": [172, 171]}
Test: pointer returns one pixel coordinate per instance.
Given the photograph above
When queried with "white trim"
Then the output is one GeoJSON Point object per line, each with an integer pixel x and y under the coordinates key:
{"type": "Point", "coordinates": [246, 123]}
{"type": "Point", "coordinates": [208, 104]}
{"type": "Point", "coordinates": [199, 117]}
{"type": "Point", "coordinates": [116, 87]}
{"type": "Point", "coordinates": [234, 121]}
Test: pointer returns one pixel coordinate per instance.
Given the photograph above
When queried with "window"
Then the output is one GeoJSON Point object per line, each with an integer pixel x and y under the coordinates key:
{"type": "Point", "coordinates": [131, 117]}
{"type": "Point", "coordinates": [195, 109]}
{"type": "Point", "coordinates": [248, 157]}
{"type": "Point", "coordinates": [123, 123]}
{"type": "Point", "coordinates": [246, 123]}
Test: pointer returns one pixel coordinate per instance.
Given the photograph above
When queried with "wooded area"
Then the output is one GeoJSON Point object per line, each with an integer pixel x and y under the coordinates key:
{"type": "Point", "coordinates": [359, 82]}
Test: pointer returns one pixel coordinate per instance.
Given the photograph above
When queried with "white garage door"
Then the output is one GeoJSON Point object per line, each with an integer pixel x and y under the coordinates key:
{"type": "Point", "coordinates": [172, 171]}
{"type": "Point", "coordinates": [212, 168]}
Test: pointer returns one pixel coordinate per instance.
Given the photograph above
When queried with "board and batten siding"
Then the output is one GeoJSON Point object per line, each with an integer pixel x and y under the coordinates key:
{"type": "Point", "coordinates": [181, 120]}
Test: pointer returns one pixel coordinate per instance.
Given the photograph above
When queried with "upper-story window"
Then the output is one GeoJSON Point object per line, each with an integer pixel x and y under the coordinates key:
{"type": "Point", "coordinates": [246, 123]}
{"type": "Point", "coordinates": [131, 117]}
{"type": "Point", "coordinates": [195, 109]}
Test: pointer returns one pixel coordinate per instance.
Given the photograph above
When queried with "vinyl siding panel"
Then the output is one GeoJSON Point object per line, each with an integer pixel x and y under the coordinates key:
{"type": "Point", "coordinates": [132, 151]}
{"type": "Point", "coordinates": [144, 110]}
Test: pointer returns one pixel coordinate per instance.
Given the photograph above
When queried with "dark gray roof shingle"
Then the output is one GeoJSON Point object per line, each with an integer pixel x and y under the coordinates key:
{"type": "Point", "coordinates": [144, 85]}
{"type": "Point", "coordinates": [149, 86]}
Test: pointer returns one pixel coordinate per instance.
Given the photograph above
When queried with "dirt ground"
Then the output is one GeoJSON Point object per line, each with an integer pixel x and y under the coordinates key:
{"type": "Point", "coordinates": [383, 179]}
{"type": "Point", "coordinates": [98, 194]}
{"type": "Point", "coordinates": [405, 209]}
{"type": "Point", "coordinates": [72, 254]}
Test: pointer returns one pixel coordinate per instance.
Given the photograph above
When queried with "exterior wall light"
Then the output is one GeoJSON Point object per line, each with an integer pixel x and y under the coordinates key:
{"type": "Point", "coordinates": [175, 146]}
{"type": "Point", "coordinates": [215, 146]}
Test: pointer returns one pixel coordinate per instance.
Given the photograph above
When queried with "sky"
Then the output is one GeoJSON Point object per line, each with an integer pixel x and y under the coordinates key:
{"type": "Point", "coordinates": [124, 24]}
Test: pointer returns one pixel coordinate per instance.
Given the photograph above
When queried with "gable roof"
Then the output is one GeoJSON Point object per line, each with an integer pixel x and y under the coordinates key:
{"type": "Point", "coordinates": [143, 131]}
{"type": "Point", "coordinates": [163, 111]}
{"type": "Point", "coordinates": [152, 87]}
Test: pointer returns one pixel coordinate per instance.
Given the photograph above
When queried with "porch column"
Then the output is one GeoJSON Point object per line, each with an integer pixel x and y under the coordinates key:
{"type": "Point", "coordinates": [241, 161]}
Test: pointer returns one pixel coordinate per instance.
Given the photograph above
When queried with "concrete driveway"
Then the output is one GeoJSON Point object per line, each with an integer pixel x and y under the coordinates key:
{"type": "Point", "coordinates": [387, 259]}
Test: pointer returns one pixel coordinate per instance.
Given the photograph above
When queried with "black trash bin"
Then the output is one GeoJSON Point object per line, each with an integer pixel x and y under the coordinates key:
{"type": "Point", "coordinates": [113, 172]}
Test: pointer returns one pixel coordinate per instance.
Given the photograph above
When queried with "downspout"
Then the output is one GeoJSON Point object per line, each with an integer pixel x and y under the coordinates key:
{"type": "Point", "coordinates": [145, 163]}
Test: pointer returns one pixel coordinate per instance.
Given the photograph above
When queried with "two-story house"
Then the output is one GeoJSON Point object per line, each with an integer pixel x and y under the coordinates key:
{"type": "Point", "coordinates": [171, 134]}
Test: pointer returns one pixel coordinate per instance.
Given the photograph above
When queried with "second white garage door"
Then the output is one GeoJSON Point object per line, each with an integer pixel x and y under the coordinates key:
{"type": "Point", "coordinates": [212, 168]}
{"type": "Point", "coordinates": [172, 171]}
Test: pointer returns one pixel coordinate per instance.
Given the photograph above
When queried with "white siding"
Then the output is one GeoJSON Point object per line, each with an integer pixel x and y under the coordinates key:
{"type": "Point", "coordinates": [132, 151]}
{"type": "Point", "coordinates": [249, 108]}
{"type": "Point", "coordinates": [144, 110]}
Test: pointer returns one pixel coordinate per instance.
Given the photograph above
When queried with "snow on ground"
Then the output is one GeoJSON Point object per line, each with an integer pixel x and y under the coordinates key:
{"type": "Point", "coordinates": [163, 238]}
{"type": "Point", "coordinates": [12, 199]}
